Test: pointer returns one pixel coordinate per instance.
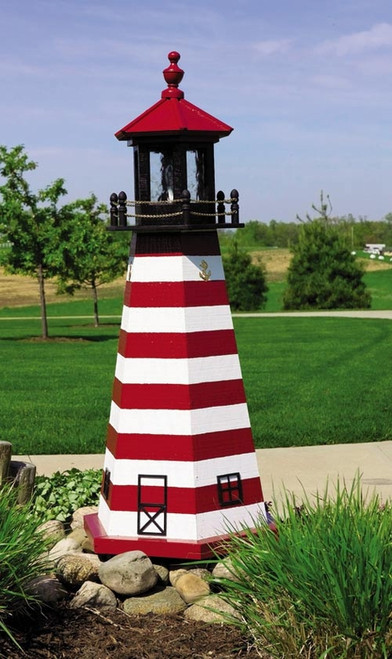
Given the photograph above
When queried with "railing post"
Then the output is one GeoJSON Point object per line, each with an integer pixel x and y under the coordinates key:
{"type": "Point", "coordinates": [220, 209]}
{"type": "Point", "coordinates": [186, 206]}
{"type": "Point", "coordinates": [234, 207]}
{"type": "Point", "coordinates": [113, 210]}
{"type": "Point", "coordinates": [122, 209]}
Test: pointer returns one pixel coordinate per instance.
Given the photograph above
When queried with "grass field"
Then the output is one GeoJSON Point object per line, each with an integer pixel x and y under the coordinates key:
{"type": "Point", "coordinates": [308, 380]}
{"type": "Point", "coordinates": [313, 380]}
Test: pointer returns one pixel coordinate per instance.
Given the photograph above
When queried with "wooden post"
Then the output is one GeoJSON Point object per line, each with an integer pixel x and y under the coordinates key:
{"type": "Point", "coordinates": [5, 458]}
{"type": "Point", "coordinates": [186, 206]}
{"type": "Point", "coordinates": [220, 197]}
{"type": "Point", "coordinates": [122, 209]}
{"type": "Point", "coordinates": [113, 210]}
{"type": "Point", "coordinates": [234, 207]}
{"type": "Point", "coordinates": [23, 474]}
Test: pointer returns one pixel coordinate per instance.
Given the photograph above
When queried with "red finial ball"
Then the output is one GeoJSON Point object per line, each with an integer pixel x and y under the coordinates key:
{"type": "Point", "coordinates": [173, 74]}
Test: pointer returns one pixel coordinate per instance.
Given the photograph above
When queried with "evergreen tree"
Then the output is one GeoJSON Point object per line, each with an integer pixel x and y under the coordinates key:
{"type": "Point", "coordinates": [323, 274]}
{"type": "Point", "coordinates": [245, 281]}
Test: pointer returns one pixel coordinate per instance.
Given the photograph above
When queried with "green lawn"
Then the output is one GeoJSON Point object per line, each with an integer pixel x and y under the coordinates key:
{"type": "Point", "coordinates": [379, 284]}
{"type": "Point", "coordinates": [308, 380]}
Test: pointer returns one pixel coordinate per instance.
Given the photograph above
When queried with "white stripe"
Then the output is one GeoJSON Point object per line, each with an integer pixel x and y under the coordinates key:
{"type": "Point", "coordinates": [174, 268]}
{"type": "Point", "coordinates": [183, 526]}
{"type": "Point", "coordinates": [179, 422]}
{"type": "Point", "coordinates": [131, 370]}
{"type": "Point", "coordinates": [176, 319]}
{"type": "Point", "coordinates": [180, 473]}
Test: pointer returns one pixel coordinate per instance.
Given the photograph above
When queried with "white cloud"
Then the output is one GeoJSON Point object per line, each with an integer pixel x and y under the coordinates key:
{"type": "Point", "coordinates": [379, 36]}
{"type": "Point", "coordinates": [272, 46]}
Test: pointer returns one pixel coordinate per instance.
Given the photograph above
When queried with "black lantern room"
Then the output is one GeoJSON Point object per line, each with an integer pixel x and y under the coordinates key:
{"type": "Point", "coordinates": [173, 145]}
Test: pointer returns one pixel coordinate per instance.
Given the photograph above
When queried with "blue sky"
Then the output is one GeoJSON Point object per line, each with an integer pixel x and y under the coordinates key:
{"type": "Point", "coordinates": [306, 84]}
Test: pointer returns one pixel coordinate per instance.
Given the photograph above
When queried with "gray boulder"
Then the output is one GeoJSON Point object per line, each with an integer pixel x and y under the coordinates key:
{"type": "Point", "coordinates": [47, 589]}
{"type": "Point", "coordinates": [52, 530]}
{"type": "Point", "coordinates": [211, 609]}
{"type": "Point", "coordinates": [131, 573]}
{"type": "Point", "coordinates": [95, 595]}
{"type": "Point", "coordinates": [78, 516]}
{"type": "Point", "coordinates": [163, 573]}
{"type": "Point", "coordinates": [64, 547]}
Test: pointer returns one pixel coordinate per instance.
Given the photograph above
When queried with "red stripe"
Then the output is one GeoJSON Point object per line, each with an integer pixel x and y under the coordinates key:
{"type": "Point", "coordinates": [177, 344]}
{"type": "Point", "coordinates": [184, 500]}
{"type": "Point", "coordinates": [178, 396]}
{"type": "Point", "coordinates": [154, 546]}
{"type": "Point", "coordinates": [175, 294]}
{"type": "Point", "coordinates": [127, 446]}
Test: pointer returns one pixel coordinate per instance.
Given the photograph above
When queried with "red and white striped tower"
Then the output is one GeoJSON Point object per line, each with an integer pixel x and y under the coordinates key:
{"type": "Point", "coordinates": [180, 468]}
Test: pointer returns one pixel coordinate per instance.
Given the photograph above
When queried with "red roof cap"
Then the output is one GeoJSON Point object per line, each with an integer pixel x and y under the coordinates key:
{"type": "Point", "coordinates": [172, 113]}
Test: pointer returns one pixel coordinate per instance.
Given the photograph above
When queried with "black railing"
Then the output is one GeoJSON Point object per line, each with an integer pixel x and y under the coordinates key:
{"type": "Point", "coordinates": [177, 213]}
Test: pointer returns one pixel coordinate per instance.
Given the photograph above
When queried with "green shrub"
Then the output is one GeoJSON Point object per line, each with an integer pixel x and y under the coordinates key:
{"type": "Point", "coordinates": [323, 273]}
{"type": "Point", "coordinates": [21, 550]}
{"type": "Point", "coordinates": [245, 281]}
{"type": "Point", "coordinates": [321, 587]}
{"type": "Point", "coordinates": [59, 495]}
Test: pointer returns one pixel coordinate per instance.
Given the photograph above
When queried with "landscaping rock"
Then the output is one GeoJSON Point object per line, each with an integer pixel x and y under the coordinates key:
{"type": "Point", "coordinates": [95, 595]}
{"type": "Point", "coordinates": [47, 589]}
{"type": "Point", "coordinates": [211, 609]}
{"type": "Point", "coordinates": [163, 573]}
{"type": "Point", "coordinates": [88, 546]}
{"type": "Point", "coordinates": [131, 573]}
{"type": "Point", "coordinates": [73, 569]}
{"type": "Point", "coordinates": [174, 575]}
{"type": "Point", "coordinates": [224, 570]}
{"type": "Point", "coordinates": [78, 534]}
{"type": "Point", "coordinates": [52, 530]}
{"type": "Point", "coordinates": [161, 602]}
{"type": "Point", "coordinates": [64, 547]}
{"type": "Point", "coordinates": [78, 516]}
{"type": "Point", "coordinates": [190, 586]}
{"type": "Point", "coordinates": [201, 572]}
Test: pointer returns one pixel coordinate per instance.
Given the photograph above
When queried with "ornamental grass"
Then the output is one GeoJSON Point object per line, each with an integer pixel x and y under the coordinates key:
{"type": "Point", "coordinates": [22, 549]}
{"type": "Point", "coordinates": [322, 585]}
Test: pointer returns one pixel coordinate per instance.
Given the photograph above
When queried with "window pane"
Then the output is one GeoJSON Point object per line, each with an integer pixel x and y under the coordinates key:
{"type": "Point", "coordinates": [195, 173]}
{"type": "Point", "coordinates": [161, 176]}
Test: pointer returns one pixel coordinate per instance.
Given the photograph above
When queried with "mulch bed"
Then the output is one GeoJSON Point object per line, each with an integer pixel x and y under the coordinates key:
{"type": "Point", "coordinates": [90, 634]}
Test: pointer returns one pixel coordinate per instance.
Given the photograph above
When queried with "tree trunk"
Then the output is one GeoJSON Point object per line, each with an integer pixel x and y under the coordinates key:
{"type": "Point", "coordinates": [44, 319]}
{"type": "Point", "coordinates": [95, 298]}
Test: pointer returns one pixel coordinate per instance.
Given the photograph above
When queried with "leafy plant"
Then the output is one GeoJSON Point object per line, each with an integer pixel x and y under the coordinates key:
{"type": "Point", "coordinates": [59, 495]}
{"type": "Point", "coordinates": [323, 586]}
{"type": "Point", "coordinates": [21, 556]}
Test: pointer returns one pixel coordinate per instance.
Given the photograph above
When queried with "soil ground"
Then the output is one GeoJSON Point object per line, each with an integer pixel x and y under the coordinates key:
{"type": "Point", "coordinates": [87, 634]}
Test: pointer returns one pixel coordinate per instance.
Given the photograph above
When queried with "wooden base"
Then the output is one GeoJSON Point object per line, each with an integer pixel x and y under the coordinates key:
{"type": "Point", "coordinates": [154, 547]}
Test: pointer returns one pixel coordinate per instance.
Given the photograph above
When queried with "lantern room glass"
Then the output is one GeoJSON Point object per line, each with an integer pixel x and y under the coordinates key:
{"type": "Point", "coordinates": [195, 166]}
{"type": "Point", "coordinates": [161, 176]}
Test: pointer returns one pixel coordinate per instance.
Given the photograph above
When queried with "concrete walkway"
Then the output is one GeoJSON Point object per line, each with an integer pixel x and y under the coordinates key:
{"type": "Point", "coordinates": [297, 470]}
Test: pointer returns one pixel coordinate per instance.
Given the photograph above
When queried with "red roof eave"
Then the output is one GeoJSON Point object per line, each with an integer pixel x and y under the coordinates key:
{"type": "Point", "coordinates": [171, 116]}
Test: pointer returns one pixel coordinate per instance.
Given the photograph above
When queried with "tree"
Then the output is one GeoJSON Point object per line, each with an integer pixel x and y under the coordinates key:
{"type": "Point", "coordinates": [246, 284]}
{"type": "Point", "coordinates": [323, 274]}
{"type": "Point", "coordinates": [29, 222]}
{"type": "Point", "coordinates": [88, 255]}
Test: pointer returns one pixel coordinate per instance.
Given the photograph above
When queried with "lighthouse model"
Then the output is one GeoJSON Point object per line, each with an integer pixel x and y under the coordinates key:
{"type": "Point", "coordinates": [180, 470]}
